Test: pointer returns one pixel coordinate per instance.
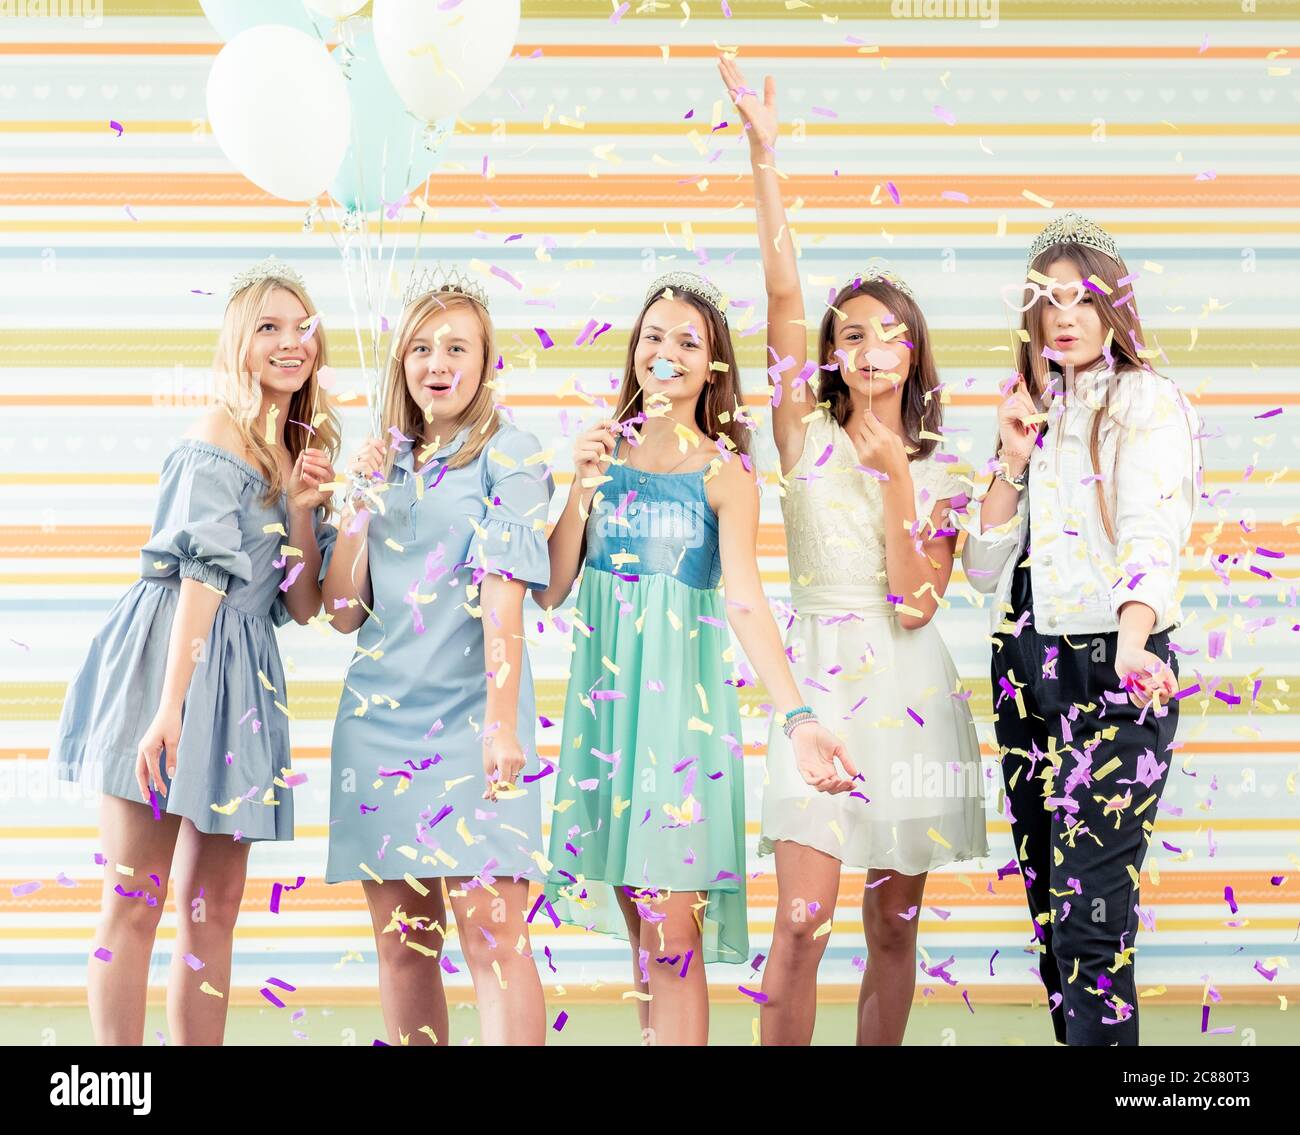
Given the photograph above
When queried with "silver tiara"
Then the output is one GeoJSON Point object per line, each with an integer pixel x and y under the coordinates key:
{"type": "Point", "coordinates": [428, 281]}
{"type": "Point", "coordinates": [272, 268]}
{"type": "Point", "coordinates": [687, 282]}
{"type": "Point", "coordinates": [885, 276]}
{"type": "Point", "coordinates": [1074, 228]}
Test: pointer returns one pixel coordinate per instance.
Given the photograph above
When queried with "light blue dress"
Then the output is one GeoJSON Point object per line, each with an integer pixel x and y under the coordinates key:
{"type": "Point", "coordinates": [233, 754]}
{"type": "Point", "coordinates": [406, 777]}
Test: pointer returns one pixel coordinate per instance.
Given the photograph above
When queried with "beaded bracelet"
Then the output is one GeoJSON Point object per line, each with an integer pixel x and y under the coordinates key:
{"type": "Point", "coordinates": [797, 717]}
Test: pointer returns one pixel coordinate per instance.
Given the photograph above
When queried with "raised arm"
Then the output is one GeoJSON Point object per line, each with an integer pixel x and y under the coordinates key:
{"type": "Point", "coordinates": [787, 334]}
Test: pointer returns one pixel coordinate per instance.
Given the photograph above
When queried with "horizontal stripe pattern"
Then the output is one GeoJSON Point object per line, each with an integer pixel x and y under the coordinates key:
{"type": "Point", "coordinates": [114, 267]}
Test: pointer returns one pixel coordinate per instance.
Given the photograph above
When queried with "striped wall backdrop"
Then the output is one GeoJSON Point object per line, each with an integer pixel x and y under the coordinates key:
{"type": "Point", "coordinates": [599, 158]}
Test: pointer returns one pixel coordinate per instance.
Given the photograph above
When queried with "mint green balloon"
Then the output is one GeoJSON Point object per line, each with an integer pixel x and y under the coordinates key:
{"type": "Point", "coordinates": [230, 17]}
{"type": "Point", "coordinates": [387, 154]}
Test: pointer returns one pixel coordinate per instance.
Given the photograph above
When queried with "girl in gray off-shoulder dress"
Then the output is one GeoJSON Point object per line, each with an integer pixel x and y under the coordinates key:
{"type": "Point", "coordinates": [179, 712]}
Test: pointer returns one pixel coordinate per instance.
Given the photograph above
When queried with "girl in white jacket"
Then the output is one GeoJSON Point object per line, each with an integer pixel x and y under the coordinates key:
{"type": "Point", "coordinates": [1096, 479]}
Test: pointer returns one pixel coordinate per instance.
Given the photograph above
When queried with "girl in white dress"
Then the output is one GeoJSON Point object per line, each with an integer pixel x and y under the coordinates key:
{"type": "Point", "coordinates": [867, 496]}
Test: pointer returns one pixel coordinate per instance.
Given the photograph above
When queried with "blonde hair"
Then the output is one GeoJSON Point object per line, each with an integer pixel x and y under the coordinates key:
{"type": "Point", "coordinates": [239, 392]}
{"type": "Point", "coordinates": [403, 412]}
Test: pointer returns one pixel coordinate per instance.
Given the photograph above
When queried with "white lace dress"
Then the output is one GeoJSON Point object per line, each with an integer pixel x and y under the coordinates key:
{"type": "Point", "coordinates": [889, 693]}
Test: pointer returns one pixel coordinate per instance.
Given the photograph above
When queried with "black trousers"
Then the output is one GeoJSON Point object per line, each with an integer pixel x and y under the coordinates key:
{"type": "Point", "coordinates": [1081, 828]}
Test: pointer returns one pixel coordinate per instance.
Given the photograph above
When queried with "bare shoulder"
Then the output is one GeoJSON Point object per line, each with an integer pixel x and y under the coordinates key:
{"type": "Point", "coordinates": [217, 428]}
{"type": "Point", "coordinates": [732, 481]}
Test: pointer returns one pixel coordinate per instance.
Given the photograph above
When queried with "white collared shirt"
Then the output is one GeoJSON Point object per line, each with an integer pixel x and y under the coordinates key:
{"type": "Point", "coordinates": [1079, 577]}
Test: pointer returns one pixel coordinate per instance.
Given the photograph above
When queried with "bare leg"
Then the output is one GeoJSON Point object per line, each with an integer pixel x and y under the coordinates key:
{"type": "Point", "coordinates": [890, 981]}
{"type": "Point", "coordinates": [116, 989]}
{"type": "Point", "coordinates": [493, 934]}
{"type": "Point", "coordinates": [633, 920]}
{"type": "Point", "coordinates": [410, 981]}
{"type": "Point", "coordinates": [679, 1003]}
{"type": "Point", "coordinates": [807, 885]}
{"type": "Point", "coordinates": [210, 875]}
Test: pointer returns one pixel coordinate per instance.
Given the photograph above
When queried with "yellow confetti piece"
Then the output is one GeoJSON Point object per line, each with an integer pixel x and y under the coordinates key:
{"type": "Point", "coordinates": [822, 930]}
{"type": "Point", "coordinates": [501, 458]}
{"type": "Point", "coordinates": [613, 669]}
{"type": "Point", "coordinates": [369, 872]}
{"type": "Point", "coordinates": [205, 987]}
{"type": "Point", "coordinates": [685, 436]}
{"type": "Point", "coordinates": [290, 550]}
{"type": "Point", "coordinates": [704, 701]}
{"type": "Point", "coordinates": [415, 884]}
{"type": "Point", "coordinates": [420, 948]}
{"type": "Point", "coordinates": [227, 809]}
{"type": "Point", "coordinates": [1106, 769]}
{"type": "Point", "coordinates": [388, 540]}
{"type": "Point", "coordinates": [934, 835]}
{"type": "Point", "coordinates": [699, 726]}
{"type": "Point", "coordinates": [266, 682]}
{"type": "Point", "coordinates": [277, 528]}
{"type": "Point", "coordinates": [1075, 973]}
{"type": "Point", "coordinates": [1154, 991]}
{"type": "Point", "coordinates": [636, 995]}
{"type": "Point", "coordinates": [496, 969]}
{"type": "Point", "coordinates": [1028, 195]}
{"type": "Point", "coordinates": [428, 1031]}
{"type": "Point", "coordinates": [502, 674]}
{"type": "Point", "coordinates": [462, 830]}
{"type": "Point", "coordinates": [1132, 874]}
{"type": "Point", "coordinates": [272, 413]}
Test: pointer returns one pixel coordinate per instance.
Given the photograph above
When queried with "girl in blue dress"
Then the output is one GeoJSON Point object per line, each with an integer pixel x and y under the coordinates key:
{"type": "Point", "coordinates": [179, 708]}
{"type": "Point", "coordinates": [434, 767]}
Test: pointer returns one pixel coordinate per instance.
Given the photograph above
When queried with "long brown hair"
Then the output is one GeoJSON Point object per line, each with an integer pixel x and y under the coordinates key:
{"type": "Point", "coordinates": [402, 410]}
{"type": "Point", "coordinates": [721, 394]}
{"type": "Point", "coordinates": [921, 409]}
{"type": "Point", "coordinates": [1126, 342]}
{"type": "Point", "coordinates": [312, 421]}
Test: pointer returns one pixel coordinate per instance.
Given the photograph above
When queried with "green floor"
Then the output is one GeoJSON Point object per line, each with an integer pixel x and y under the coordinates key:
{"type": "Point", "coordinates": [606, 1024]}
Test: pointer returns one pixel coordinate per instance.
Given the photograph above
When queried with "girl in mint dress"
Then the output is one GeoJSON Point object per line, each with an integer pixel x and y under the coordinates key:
{"type": "Point", "coordinates": [647, 836]}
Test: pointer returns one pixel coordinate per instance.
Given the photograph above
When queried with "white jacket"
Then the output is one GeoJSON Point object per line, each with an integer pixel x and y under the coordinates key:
{"type": "Point", "coordinates": [1079, 578]}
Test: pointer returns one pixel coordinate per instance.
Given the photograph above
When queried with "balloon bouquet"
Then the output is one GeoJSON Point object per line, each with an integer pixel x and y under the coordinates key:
{"type": "Point", "coordinates": [372, 101]}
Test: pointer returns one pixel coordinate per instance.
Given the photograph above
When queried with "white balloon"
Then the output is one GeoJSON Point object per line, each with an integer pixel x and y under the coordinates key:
{"type": "Point", "coordinates": [438, 60]}
{"type": "Point", "coordinates": [336, 9]}
{"type": "Point", "coordinates": [279, 110]}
